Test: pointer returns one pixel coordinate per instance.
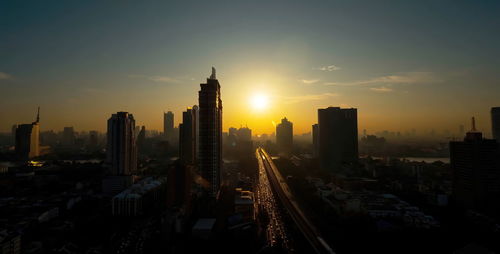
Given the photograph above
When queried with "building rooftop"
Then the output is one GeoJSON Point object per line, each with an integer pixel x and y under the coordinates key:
{"type": "Point", "coordinates": [204, 224]}
{"type": "Point", "coordinates": [140, 188]}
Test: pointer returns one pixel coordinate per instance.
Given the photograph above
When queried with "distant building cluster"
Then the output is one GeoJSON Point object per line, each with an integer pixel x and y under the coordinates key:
{"type": "Point", "coordinates": [388, 211]}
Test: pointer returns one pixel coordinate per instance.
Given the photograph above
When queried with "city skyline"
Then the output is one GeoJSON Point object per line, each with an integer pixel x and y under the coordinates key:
{"type": "Point", "coordinates": [249, 127]}
{"type": "Point", "coordinates": [399, 74]}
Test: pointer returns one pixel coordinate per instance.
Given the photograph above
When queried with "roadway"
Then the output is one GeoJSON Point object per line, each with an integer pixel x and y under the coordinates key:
{"type": "Point", "coordinates": [286, 198]}
{"type": "Point", "coordinates": [276, 232]}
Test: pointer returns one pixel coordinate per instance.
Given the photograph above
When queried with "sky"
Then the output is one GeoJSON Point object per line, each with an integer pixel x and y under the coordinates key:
{"type": "Point", "coordinates": [403, 64]}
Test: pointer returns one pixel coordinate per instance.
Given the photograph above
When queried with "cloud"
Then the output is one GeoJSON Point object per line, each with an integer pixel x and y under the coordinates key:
{"type": "Point", "coordinates": [328, 68]}
{"type": "Point", "coordinates": [164, 79]}
{"type": "Point", "coordinates": [309, 81]}
{"type": "Point", "coordinates": [4, 75]}
{"type": "Point", "coordinates": [381, 89]}
{"type": "Point", "coordinates": [309, 97]}
{"type": "Point", "coordinates": [399, 79]}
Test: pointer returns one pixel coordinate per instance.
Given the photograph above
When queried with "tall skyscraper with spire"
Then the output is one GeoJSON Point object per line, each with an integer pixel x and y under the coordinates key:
{"type": "Point", "coordinates": [475, 164]}
{"type": "Point", "coordinates": [28, 139]}
{"type": "Point", "coordinates": [210, 131]}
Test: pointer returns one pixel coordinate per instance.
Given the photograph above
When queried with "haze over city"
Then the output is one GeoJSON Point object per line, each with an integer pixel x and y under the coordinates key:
{"type": "Point", "coordinates": [403, 65]}
{"type": "Point", "coordinates": [249, 127]}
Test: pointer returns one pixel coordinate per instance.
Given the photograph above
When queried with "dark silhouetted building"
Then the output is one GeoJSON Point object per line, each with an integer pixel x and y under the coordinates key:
{"type": "Point", "coordinates": [188, 139]}
{"type": "Point", "coordinates": [338, 137]}
{"type": "Point", "coordinates": [476, 172]}
{"type": "Point", "coordinates": [141, 139]}
{"type": "Point", "coordinates": [244, 134]}
{"type": "Point", "coordinates": [210, 154]}
{"type": "Point", "coordinates": [244, 142]}
{"type": "Point", "coordinates": [315, 140]}
{"type": "Point", "coordinates": [68, 137]}
{"type": "Point", "coordinates": [495, 123]}
{"type": "Point", "coordinates": [121, 153]}
{"type": "Point", "coordinates": [168, 125]}
{"type": "Point", "coordinates": [284, 136]}
{"type": "Point", "coordinates": [28, 139]}
{"type": "Point", "coordinates": [121, 148]}
{"type": "Point", "coordinates": [179, 181]}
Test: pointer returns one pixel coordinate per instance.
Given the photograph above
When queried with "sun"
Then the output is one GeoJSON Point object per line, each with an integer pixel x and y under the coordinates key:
{"type": "Point", "coordinates": [259, 101]}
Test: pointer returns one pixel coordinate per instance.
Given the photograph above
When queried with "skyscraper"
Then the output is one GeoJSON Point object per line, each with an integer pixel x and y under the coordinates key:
{"type": "Point", "coordinates": [188, 139]}
{"type": "Point", "coordinates": [210, 129]}
{"type": "Point", "coordinates": [28, 139]}
{"type": "Point", "coordinates": [338, 137]}
{"type": "Point", "coordinates": [284, 136]}
{"type": "Point", "coordinates": [121, 147]}
{"type": "Point", "coordinates": [495, 123]}
{"type": "Point", "coordinates": [315, 141]}
{"type": "Point", "coordinates": [168, 125]}
{"type": "Point", "coordinates": [475, 164]}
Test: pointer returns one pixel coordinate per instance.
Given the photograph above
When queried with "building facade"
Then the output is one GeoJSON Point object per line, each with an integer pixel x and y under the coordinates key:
{"type": "Point", "coordinates": [338, 137]}
{"type": "Point", "coordinates": [27, 139]}
{"type": "Point", "coordinates": [188, 136]}
{"type": "Point", "coordinates": [168, 125]}
{"type": "Point", "coordinates": [210, 133]}
{"type": "Point", "coordinates": [475, 164]}
{"type": "Point", "coordinates": [121, 144]}
{"type": "Point", "coordinates": [284, 136]}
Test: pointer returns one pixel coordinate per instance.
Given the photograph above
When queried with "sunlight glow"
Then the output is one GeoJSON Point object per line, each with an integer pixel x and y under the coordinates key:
{"type": "Point", "coordinates": [259, 101]}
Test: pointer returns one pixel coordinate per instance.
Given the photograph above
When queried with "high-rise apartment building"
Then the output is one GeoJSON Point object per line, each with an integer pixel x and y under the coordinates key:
{"type": "Point", "coordinates": [338, 137]}
{"type": "Point", "coordinates": [475, 164]}
{"type": "Point", "coordinates": [284, 136]}
{"type": "Point", "coordinates": [168, 125]}
{"type": "Point", "coordinates": [188, 136]}
{"type": "Point", "coordinates": [121, 145]}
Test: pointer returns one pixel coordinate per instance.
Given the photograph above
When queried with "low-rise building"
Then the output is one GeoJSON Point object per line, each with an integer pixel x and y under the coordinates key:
{"type": "Point", "coordinates": [140, 197]}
